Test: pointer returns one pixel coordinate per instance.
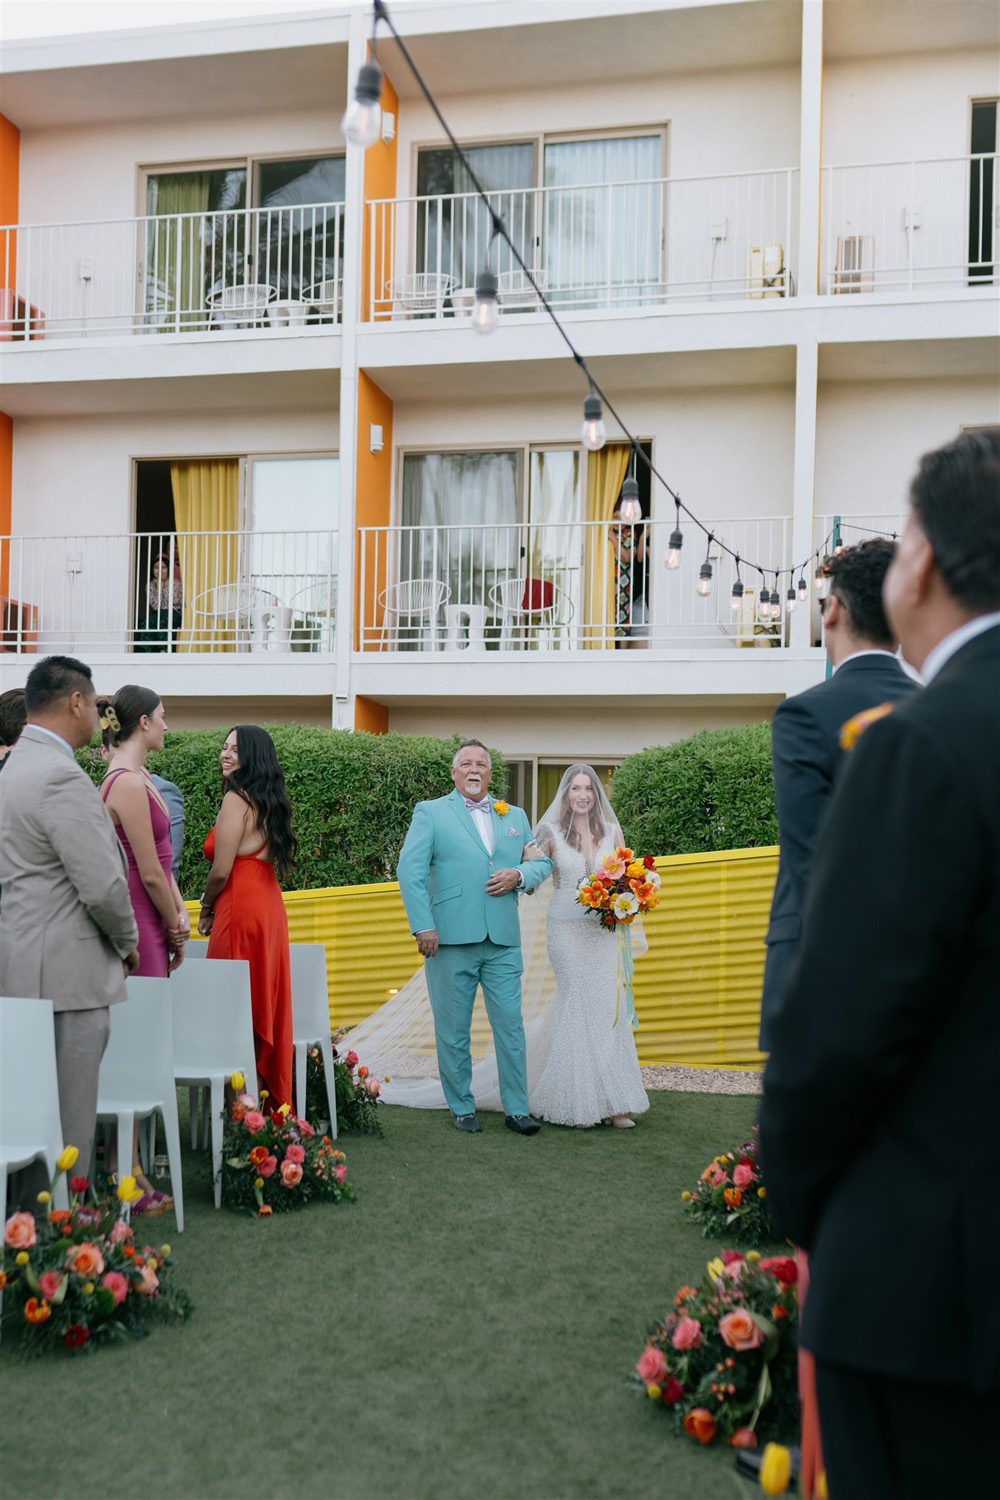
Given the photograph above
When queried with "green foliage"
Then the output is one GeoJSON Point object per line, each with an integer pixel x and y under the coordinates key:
{"type": "Point", "coordinates": [352, 796]}
{"type": "Point", "coordinates": [712, 791]}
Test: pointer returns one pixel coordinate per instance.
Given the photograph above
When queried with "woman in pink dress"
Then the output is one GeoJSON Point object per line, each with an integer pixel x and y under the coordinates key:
{"type": "Point", "coordinates": [242, 913]}
{"type": "Point", "coordinates": [133, 724]}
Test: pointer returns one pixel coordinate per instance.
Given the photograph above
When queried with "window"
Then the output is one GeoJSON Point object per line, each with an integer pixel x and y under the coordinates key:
{"type": "Point", "coordinates": [983, 192]}
{"type": "Point", "coordinates": [453, 234]}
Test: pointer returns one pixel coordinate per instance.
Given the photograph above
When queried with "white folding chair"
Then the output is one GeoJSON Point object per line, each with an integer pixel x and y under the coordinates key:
{"type": "Point", "coordinates": [30, 1124]}
{"type": "Point", "coordinates": [311, 1022]}
{"type": "Point", "coordinates": [137, 1076]}
{"type": "Point", "coordinates": [196, 948]}
{"type": "Point", "coordinates": [213, 1038]}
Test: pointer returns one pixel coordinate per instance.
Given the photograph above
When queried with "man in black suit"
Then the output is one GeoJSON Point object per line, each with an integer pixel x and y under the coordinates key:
{"type": "Point", "coordinates": [880, 1095]}
{"type": "Point", "coordinates": [805, 744]}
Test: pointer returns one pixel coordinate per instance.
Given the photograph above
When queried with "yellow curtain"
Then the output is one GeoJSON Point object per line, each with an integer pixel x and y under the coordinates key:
{"type": "Point", "coordinates": [206, 515]}
{"type": "Point", "coordinates": [605, 472]}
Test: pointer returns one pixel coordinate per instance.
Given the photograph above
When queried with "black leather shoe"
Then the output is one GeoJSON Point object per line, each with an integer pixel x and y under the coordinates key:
{"type": "Point", "coordinates": [522, 1124]}
{"type": "Point", "coordinates": [468, 1123]}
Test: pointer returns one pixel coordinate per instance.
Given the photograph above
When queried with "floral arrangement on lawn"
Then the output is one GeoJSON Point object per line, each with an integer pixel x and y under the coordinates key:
{"type": "Point", "coordinates": [724, 1360]}
{"type": "Point", "coordinates": [621, 888]}
{"type": "Point", "coordinates": [75, 1277]}
{"type": "Point", "coordinates": [271, 1163]}
{"type": "Point", "coordinates": [357, 1092]}
{"type": "Point", "coordinates": [730, 1200]}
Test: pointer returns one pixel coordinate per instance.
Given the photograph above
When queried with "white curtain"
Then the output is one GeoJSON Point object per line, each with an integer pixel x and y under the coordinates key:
{"type": "Point", "coordinates": [555, 545]}
{"type": "Point", "coordinates": [453, 235]}
{"type": "Point", "coordinates": [466, 507]}
{"type": "Point", "coordinates": [603, 218]}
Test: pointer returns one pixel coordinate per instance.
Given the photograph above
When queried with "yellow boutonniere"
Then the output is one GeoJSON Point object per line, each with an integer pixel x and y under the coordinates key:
{"type": "Point", "coordinates": [852, 731]}
{"type": "Point", "coordinates": [501, 809]}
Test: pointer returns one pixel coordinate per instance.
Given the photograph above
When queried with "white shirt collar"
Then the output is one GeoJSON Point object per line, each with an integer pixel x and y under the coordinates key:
{"type": "Point", "coordinates": [40, 729]}
{"type": "Point", "coordinates": [945, 650]}
{"type": "Point", "coordinates": [871, 651]}
{"type": "Point", "coordinates": [483, 819]}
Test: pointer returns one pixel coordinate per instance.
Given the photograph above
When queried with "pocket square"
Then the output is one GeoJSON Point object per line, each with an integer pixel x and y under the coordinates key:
{"type": "Point", "coordinates": [512, 833]}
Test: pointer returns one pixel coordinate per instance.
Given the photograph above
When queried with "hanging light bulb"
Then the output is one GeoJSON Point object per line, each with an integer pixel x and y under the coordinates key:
{"type": "Point", "coordinates": [838, 549]}
{"type": "Point", "coordinates": [362, 122]}
{"type": "Point", "coordinates": [486, 308]}
{"type": "Point", "coordinates": [594, 433]}
{"type": "Point", "coordinates": [821, 578]}
{"type": "Point", "coordinates": [705, 572]}
{"type": "Point", "coordinates": [629, 507]}
{"type": "Point", "coordinates": [736, 602]}
{"type": "Point", "coordinates": [791, 599]}
{"type": "Point", "coordinates": [803, 591]}
{"type": "Point", "coordinates": [673, 557]}
{"type": "Point", "coordinates": [775, 602]}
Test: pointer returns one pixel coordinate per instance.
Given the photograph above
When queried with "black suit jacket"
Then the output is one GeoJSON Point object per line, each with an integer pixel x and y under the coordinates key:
{"type": "Point", "coordinates": [878, 1124]}
{"type": "Point", "coordinates": [805, 758]}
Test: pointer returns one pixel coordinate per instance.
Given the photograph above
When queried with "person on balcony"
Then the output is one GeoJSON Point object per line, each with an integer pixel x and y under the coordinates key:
{"type": "Point", "coordinates": [628, 542]}
{"type": "Point", "coordinates": [164, 607]}
{"type": "Point", "coordinates": [243, 916]}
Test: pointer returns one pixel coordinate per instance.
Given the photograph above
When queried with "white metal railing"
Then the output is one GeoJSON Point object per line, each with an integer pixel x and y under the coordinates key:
{"type": "Point", "coordinates": [170, 592]}
{"type": "Point", "coordinates": [904, 224]}
{"type": "Point", "coordinates": [557, 587]}
{"type": "Point", "coordinates": [173, 273]}
{"type": "Point", "coordinates": [602, 245]}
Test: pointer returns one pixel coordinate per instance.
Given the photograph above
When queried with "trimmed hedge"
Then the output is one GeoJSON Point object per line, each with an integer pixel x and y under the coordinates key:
{"type": "Point", "coordinates": [352, 796]}
{"type": "Point", "coordinates": [712, 791]}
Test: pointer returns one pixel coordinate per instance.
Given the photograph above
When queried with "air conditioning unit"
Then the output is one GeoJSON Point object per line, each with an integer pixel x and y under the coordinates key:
{"type": "Point", "coordinates": [765, 274]}
{"type": "Point", "coordinates": [855, 269]}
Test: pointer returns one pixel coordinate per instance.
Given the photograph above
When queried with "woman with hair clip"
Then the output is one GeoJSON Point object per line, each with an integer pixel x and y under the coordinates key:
{"type": "Point", "coordinates": [133, 724]}
{"type": "Point", "coordinates": [242, 914]}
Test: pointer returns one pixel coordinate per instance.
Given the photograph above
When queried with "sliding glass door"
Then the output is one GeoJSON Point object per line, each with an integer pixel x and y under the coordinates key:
{"type": "Point", "coordinates": [603, 225]}
{"type": "Point", "coordinates": [195, 242]}
{"type": "Point", "coordinates": [453, 231]}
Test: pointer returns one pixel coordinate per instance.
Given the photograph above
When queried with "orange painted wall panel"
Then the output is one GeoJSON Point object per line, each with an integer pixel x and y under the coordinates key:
{"type": "Point", "coordinates": [373, 494]}
{"type": "Point", "coordinates": [380, 182]}
{"type": "Point", "coordinates": [10, 168]}
{"type": "Point", "coordinates": [371, 717]}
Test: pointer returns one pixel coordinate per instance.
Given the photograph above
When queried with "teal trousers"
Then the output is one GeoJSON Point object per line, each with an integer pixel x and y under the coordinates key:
{"type": "Point", "coordinates": [453, 976]}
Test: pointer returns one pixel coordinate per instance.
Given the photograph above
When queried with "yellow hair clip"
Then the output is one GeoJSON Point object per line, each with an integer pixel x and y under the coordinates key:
{"type": "Point", "coordinates": [109, 720]}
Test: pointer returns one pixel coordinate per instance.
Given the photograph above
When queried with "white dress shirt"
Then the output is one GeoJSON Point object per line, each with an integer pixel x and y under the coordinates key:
{"type": "Point", "coordinates": [483, 819]}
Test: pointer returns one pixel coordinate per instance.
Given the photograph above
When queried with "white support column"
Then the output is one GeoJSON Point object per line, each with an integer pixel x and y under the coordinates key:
{"type": "Point", "coordinates": [804, 474]}
{"type": "Point", "coordinates": [354, 207]}
{"type": "Point", "coordinates": [810, 147]}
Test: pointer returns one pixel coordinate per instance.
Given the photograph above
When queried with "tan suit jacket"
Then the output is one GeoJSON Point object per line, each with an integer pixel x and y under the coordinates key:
{"type": "Point", "coordinates": [66, 919]}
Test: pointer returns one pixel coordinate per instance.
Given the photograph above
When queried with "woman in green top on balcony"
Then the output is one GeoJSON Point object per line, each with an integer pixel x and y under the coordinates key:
{"type": "Point", "coordinates": [164, 607]}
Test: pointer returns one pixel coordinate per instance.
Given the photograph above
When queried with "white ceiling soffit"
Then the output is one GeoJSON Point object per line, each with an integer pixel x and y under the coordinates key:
{"type": "Point", "coordinates": [873, 28]}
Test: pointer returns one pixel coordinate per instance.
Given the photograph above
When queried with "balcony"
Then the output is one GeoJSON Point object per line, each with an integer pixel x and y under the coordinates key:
{"type": "Point", "coordinates": [558, 590]}
{"type": "Point", "coordinates": [909, 225]}
{"type": "Point", "coordinates": [185, 273]}
{"type": "Point", "coordinates": [172, 594]}
{"type": "Point", "coordinates": [607, 245]}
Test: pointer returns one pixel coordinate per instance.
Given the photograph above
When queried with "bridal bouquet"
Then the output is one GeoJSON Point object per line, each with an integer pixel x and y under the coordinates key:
{"type": "Point", "coordinates": [75, 1277]}
{"type": "Point", "coordinates": [274, 1162]}
{"type": "Point", "coordinates": [621, 888]}
{"type": "Point", "coordinates": [724, 1359]}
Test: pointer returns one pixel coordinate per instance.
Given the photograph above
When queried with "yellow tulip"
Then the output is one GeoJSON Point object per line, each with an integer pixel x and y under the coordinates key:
{"type": "Point", "coordinates": [685, 1197]}
{"type": "Point", "coordinates": [753, 1256]}
{"type": "Point", "coordinates": [68, 1158]}
{"type": "Point", "coordinates": [22, 1257]}
{"type": "Point", "coordinates": [775, 1469]}
{"type": "Point", "coordinates": [284, 1109]}
{"type": "Point", "coordinates": [44, 1197]}
{"type": "Point", "coordinates": [238, 1083]}
{"type": "Point", "coordinates": [127, 1191]}
{"type": "Point", "coordinates": [716, 1269]}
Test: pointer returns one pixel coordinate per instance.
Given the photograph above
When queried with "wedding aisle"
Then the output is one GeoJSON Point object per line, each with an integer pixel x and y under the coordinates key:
{"type": "Point", "coordinates": [462, 1332]}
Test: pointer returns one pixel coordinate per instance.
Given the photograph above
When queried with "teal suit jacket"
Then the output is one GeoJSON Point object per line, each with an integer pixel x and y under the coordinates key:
{"type": "Point", "coordinates": [443, 869]}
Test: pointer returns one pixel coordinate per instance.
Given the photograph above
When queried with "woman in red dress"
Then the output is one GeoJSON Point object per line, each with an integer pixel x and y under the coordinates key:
{"type": "Point", "coordinates": [242, 914]}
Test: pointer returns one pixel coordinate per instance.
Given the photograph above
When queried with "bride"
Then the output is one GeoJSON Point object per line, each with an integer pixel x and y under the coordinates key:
{"type": "Point", "coordinates": [581, 1058]}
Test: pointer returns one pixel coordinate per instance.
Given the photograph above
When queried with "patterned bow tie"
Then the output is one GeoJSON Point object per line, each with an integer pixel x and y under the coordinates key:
{"type": "Point", "coordinates": [483, 805]}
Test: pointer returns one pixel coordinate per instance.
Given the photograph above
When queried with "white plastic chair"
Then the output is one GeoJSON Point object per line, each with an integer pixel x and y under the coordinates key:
{"type": "Point", "coordinates": [311, 1022]}
{"type": "Point", "coordinates": [318, 601]}
{"type": "Point", "coordinates": [325, 297]}
{"type": "Point", "coordinates": [421, 292]}
{"type": "Point", "coordinates": [137, 1076]}
{"type": "Point", "coordinates": [241, 306]}
{"type": "Point", "coordinates": [30, 1124]}
{"type": "Point", "coordinates": [413, 599]}
{"type": "Point", "coordinates": [518, 621]}
{"type": "Point", "coordinates": [213, 1037]}
{"type": "Point", "coordinates": [232, 604]}
{"type": "Point", "coordinates": [515, 290]}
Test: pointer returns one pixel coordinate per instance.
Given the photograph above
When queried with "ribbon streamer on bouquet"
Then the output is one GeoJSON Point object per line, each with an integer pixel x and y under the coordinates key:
{"type": "Point", "coordinates": [626, 978]}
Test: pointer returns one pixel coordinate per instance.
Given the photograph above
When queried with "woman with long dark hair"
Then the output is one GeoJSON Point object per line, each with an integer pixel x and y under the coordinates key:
{"type": "Point", "coordinates": [242, 914]}
{"type": "Point", "coordinates": [164, 606]}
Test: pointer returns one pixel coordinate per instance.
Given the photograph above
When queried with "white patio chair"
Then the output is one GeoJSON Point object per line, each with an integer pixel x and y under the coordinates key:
{"type": "Point", "coordinates": [311, 1022]}
{"type": "Point", "coordinates": [326, 298]}
{"type": "Point", "coordinates": [417, 599]}
{"type": "Point", "coordinates": [528, 606]}
{"type": "Point", "coordinates": [515, 290]}
{"type": "Point", "coordinates": [236, 605]}
{"type": "Point", "coordinates": [212, 1038]}
{"type": "Point", "coordinates": [240, 306]}
{"type": "Point", "coordinates": [137, 1076]}
{"type": "Point", "coordinates": [421, 292]}
{"type": "Point", "coordinates": [30, 1124]}
{"type": "Point", "coordinates": [318, 601]}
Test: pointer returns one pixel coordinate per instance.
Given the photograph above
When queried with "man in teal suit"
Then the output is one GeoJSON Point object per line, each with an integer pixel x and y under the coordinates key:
{"type": "Point", "coordinates": [461, 866]}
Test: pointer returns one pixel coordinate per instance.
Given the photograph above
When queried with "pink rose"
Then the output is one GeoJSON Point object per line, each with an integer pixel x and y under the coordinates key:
{"type": "Point", "coordinates": [295, 1154]}
{"type": "Point", "coordinates": [687, 1334]}
{"type": "Point", "coordinates": [372, 1085]}
{"type": "Point", "coordinates": [742, 1175]}
{"type": "Point", "coordinates": [48, 1284]}
{"type": "Point", "coordinates": [652, 1366]}
{"type": "Point", "coordinates": [306, 1130]}
{"type": "Point", "coordinates": [340, 1173]}
{"type": "Point", "coordinates": [266, 1168]}
{"type": "Point", "coordinates": [740, 1331]}
{"type": "Point", "coordinates": [781, 1266]}
{"type": "Point", "coordinates": [120, 1231]}
{"type": "Point", "coordinates": [351, 1060]}
{"type": "Point", "coordinates": [254, 1121]}
{"type": "Point", "coordinates": [291, 1173]}
{"type": "Point", "coordinates": [248, 1101]}
{"type": "Point", "coordinates": [149, 1282]}
{"type": "Point", "coordinates": [728, 1256]}
{"type": "Point", "coordinates": [719, 1177]}
{"type": "Point", "coordinates": [116, 1285]}
{"type": "Point", "coordinates": [19, 1231]}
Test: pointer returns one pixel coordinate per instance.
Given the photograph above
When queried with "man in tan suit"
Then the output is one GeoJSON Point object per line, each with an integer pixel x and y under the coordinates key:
{"type": "Point", "coordinates": [67, 931]}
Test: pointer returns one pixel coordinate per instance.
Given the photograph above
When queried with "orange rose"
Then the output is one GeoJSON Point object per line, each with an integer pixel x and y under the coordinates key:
{"type": "Point", "coordinates": [740, 1331]}
{"type": "Point", "coordinates": [685, 1294]}
{"type": "Point", "coordinates": [86, 1260]}
{"type": "Point", "coordinates": [699, 1423]}
{"type": "Point", "coordinates": [58, 1215]}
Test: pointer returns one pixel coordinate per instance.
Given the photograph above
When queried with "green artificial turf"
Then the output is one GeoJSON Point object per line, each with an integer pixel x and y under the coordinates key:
{"type": "Point", "coordinates": [460, 1333]}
